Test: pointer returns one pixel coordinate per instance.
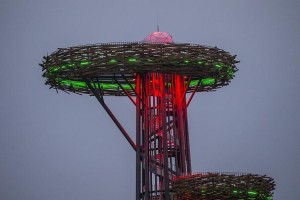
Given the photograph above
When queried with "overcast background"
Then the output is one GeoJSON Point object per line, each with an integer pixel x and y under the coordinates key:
{"type": "Point", "coordinates": [65, 147]}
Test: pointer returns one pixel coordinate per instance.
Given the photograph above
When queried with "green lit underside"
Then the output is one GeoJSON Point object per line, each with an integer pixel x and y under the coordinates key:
{"type": "Point", "coordinates": [114, 86]}
{"type": "Point", "coordinates": [251, 194]}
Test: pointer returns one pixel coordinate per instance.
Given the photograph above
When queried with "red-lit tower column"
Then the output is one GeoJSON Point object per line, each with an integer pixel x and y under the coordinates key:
{"type": "Point", "coordinates": [162, 133]}
{"type": "Point", "coordinates": [162, 137]}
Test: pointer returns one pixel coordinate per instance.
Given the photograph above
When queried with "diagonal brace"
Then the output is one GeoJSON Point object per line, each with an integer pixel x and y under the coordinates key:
{"type": "Point", "coordinates": [108, 111]}
{"type": "Point", "coordinates": [125, 91]}
{"type": "Point", "coordinates": [194, 91]}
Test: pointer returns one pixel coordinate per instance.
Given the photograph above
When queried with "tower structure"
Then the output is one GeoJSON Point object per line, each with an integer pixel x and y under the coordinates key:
{"type": "Point", "coordinates": [160, 77]}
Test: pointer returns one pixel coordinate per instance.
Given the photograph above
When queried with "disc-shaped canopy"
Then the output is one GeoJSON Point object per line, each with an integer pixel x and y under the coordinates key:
{"type": "Point", "coordinates": [112, 67]}
{"type": "Point", "coordinates": [233, 186]}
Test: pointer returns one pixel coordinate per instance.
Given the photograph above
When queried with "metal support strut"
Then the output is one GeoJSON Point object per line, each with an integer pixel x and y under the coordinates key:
{"type": "Point", "coordinates": [108, 111]}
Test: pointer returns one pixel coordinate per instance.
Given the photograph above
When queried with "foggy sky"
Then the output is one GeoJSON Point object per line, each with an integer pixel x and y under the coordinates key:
{"type": "Point", "coordinates": [65, 147]}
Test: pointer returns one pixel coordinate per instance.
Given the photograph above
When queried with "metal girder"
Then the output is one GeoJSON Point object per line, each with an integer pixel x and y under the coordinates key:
{"type": "Point", "coordinates": [97, 94]}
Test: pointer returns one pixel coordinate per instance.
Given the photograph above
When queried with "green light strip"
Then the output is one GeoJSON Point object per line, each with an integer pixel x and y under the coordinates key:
{"type": "Point", "coordinates": [85, 63]}
{"type": "Point", "coordinates": [55, 69]}
{"type": "Point", "coordinates": [193, 83]}
{"type": "Point", "coordinates": [105, 86]}
{"type": "Point", "coordinates": [113, 61]}
{"type": "Point", "coordinates": [204, 82]}
{"type": "Point", "coordinates": [114, 86]}
{"type": "Point", "coordinates": [132, 59]}
{"type": "Point", "coordinates": [208, 81]}
{"type": "Point", "coordinates": [252, 193]}
{"type": "Point", "coordinates": [219, 65]}
{"type": "Point", "coordinates": [234, 191]}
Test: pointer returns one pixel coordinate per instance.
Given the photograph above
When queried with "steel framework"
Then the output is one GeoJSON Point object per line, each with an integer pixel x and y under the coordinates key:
{"type": "Point", "coordinates": [225, 186]}
{"type": "Point", "coordinates": [156, 75]}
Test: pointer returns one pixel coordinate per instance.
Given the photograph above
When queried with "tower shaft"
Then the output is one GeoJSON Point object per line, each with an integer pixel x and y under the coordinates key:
{"type": "Point", "coordinates": [162, 137]}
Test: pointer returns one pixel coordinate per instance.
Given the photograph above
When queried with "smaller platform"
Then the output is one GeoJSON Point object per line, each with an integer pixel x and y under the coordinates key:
{"type": "Point", "coordinates": [223, 186]}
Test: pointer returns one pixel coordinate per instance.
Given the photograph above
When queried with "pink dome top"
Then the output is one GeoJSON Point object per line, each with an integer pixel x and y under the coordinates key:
{"type": "Point", "coordinates": [160, 37]}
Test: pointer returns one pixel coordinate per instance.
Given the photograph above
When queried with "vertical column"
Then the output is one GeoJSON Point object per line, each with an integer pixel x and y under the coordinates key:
{"type": "Point", "coordinates": [138, 137]}
{"type": "Point", "coordinates": [182, 135]}
{"type": "Point", "coordinates": [147, 118]}
{"type": "Point", "coordinates": [165, 137]}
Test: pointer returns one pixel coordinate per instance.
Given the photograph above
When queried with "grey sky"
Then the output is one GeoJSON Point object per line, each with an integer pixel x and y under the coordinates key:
{"type": "Point", "coordinates": [65, 147]}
